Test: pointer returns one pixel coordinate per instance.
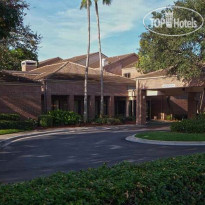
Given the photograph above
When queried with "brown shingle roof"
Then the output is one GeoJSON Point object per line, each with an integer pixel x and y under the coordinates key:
{"type": "Point", "coordinates": [82, 57]}
{"type": "Point", "coordinates": [49, 61]}
{"type": "Point", "coordinates": [132, 65]}
{"type": "Point", "coordinates": [72, 71]}
{"type": "Point", "coordinates": [121, 57]}
{"type": "Point", "coordinates": [157, 73]}
{"type": "Point", "coordinates": [15, 76]}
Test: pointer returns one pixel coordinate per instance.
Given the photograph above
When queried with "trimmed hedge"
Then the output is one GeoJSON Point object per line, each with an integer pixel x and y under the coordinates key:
{"type": "Point", "coordinates": [12, 117]}
{"type": "Point", "coordinates": [45, 121]}
{"type": "Point", "coordinates": [107, 120]}
{"type": "Point", "coordinates": [196, 125]}
{"type": "Point", "coordinates": [20, 125]}
{"type": "Point", "coordinates": [61, 117]}
{"type": "Point", "coordinates": [179, 180]}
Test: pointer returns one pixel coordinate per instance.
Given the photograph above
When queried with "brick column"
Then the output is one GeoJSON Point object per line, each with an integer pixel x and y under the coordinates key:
{"type": "Point", "coordinates": [91, 109]}
{"type": "Point", "coordinates": [192, 105]}
{"type": "Point", "coordinates": [48, 102]}
{"type": "Point", "coordinates": [127, 107]}
{"type": "Point", "coordinates": [111, 106]}
{"type": "Point", "coordinates": [133, 111]}
{"type": "Point", "coordinates": [71, 103]}
{"type": "Point", "coordinates": [141, 107]}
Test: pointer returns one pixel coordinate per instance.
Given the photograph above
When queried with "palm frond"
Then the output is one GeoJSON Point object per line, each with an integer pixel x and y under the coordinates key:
{"type": "Point", "coordinates": [84, 4]}
{"type": "Point", "coordinates": [107, 2]}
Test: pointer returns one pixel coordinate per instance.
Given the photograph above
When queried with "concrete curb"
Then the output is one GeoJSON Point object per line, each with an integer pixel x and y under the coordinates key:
{"type": "Point", "coordinates": [156, 142]}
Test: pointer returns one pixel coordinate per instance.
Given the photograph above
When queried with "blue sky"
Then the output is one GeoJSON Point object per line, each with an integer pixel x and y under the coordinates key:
{"type": "Point", "coordinates": [63, 26]}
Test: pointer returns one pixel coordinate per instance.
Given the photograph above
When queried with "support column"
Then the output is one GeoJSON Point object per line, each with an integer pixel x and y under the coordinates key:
{"type": "Point", "coordinates": [127, 107]}
{"type": "Point", "coordinates": [48, 102]}
{"type": "Point", "coordinates": [71, 103]}
{"type": "Point", "coordinates": [192, 105]}
{"type": "Point", "coordinates": [111, 106]}
{"type": "Point", "coordinates": [141, 107]}
{"type": "Point", "coordinates": [133, 114]}
{"type": "Point", "coordinates": [91, 107]}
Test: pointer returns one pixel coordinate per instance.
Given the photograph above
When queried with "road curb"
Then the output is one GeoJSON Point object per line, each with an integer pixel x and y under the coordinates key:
{"type": "Point", "coordinates": [156, 142]}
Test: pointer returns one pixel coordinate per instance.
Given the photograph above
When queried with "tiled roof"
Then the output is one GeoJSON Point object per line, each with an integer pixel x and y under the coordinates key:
{"type": "Point", "coordinates": [131, 65]}
{"type": "Point", "coordinates": [14, 76]}
{"type": "Point", "coordinates": [82, 57]}
{"type": "Point", "coordinates": [70, 71]}
{"type": "Point", "coordinates": [157, 73]}
{"type": "Point", "coordinates": [49, 61]}
{"type": "Point", "coordinates": [118, 58]}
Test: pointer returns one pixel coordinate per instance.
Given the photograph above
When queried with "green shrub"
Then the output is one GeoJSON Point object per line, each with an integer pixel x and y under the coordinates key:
{"type": "Point", "coordinates": [61, 117]}
{"type": "Point", "coordinates": [124, 119]}
{"type": "Point", "coordinates": [21, 125]}
{"type": "Point", "coordinates": [107, 121]}
{"type": "Point", "coordinates": [12, 117]}
{"type": "Point", "coordinates": [180, 117]}
{"type": "Point", "coordinates": [200, 117]}
{"type": "Point", "coordinates": [45, 121]}
{"type": "Point", "coordinates": [169, 117]}
{"type": "Point", "coordinates": [179, 180]}
{"type": "Point", "coordinates": [196, 125]}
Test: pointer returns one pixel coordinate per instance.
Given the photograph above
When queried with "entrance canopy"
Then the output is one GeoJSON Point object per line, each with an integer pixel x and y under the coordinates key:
{"type": "Point", "coordinates": [158, 83]}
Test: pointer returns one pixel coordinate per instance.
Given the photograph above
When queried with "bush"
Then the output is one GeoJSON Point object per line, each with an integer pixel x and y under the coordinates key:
{"type": "Point", "coordinates": [196, 125]}
{"type": "Point", "coordinates": [21, 125]}
{"type": "Point", "coordinates": [61, 117]}
{"type": "Point", "coordinates": [107, 121]}
{"type": "Point", "coordinates": [12, 117]}
{"type": "Point", "coordinates": [179, 180]}
{"type": "Point", "coordinates": [180, 117]}
{"type": "Point", "coordinates": [169, 117]}
{"type": "Point", "coordinates": [124, 119]}
{"type": "Point", "coordinates": [45, 121]}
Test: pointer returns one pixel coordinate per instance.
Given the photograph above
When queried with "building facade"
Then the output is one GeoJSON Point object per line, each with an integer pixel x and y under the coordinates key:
{"type": "Point", "coordinates": [59, 84]}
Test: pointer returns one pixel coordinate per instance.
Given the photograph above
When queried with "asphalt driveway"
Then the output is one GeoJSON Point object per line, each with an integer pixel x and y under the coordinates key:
{"type": "Point", "coordinates": [65, 151]}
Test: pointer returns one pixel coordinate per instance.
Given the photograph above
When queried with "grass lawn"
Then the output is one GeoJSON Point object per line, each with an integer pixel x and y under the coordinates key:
{"type": "Point", "coordinates": [171, 136]}
{"type": "Point", "coordinates": [179, 180]}
{"type": "Point", "coordinates": [9, 131]}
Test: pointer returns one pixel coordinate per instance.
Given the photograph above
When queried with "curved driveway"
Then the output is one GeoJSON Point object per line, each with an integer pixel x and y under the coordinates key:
{"type": "Point", "coordinates": [79, 149]}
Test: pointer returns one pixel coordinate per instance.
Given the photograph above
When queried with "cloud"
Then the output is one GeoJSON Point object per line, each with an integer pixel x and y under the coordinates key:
{"type": "Point", "coordinates": [64, 28]}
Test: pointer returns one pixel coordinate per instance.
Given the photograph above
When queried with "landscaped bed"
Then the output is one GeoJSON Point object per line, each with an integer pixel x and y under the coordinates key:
{"type": "Point", "coordinates": [179, 180]}
{"type": "Point", "coordinates": [171, 136]}
{"type": "Point", "coordinates": [9, 131]}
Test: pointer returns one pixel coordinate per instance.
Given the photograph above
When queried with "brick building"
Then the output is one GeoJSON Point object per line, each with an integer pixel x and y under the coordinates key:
{"type": "Point", "coordinates": [59, 84]}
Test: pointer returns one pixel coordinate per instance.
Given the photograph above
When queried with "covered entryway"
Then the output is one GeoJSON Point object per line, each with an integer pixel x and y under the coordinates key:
{"type": "Point", "coordinates": [162, 97]}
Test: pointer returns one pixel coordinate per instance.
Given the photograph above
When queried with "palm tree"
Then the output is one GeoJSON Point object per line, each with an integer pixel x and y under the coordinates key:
{"type": "Point", "coordinates": [106, 2]}
{"type": "Point", "coordinates": [85, 116]}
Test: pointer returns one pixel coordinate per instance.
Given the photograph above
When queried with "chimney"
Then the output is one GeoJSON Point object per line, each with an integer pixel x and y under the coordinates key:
{"type": "Point", "coordinates": [104, 62]}
{"type": "Point", "coordinates": [28, 65]}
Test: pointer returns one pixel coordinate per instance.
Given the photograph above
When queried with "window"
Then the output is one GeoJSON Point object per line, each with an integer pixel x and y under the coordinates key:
{"type": "Point", "coordinates": [59, 102]}
{"type": "Point", "coordinates": [127, 75]}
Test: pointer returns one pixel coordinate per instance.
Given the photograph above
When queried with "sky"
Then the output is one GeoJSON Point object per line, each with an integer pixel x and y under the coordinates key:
{"type": "Point", "coordinates": [63, 26]}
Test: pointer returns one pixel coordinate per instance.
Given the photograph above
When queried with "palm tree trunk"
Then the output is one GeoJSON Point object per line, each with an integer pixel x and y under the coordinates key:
{"type": "Point", "coordinates": [101, 67]}
{"type": "Point", "coordinates": [85, 117]}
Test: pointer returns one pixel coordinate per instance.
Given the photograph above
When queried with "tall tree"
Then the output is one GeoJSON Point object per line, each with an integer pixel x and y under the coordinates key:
{"type": "Point", "coordinates": [183, 55]}
{"type": "Point", "coordinates": [85, 117]}
{"type": "Point", "coordinates": [105, 2]}
{"type": "Point", "coordinates": [17, 41]}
